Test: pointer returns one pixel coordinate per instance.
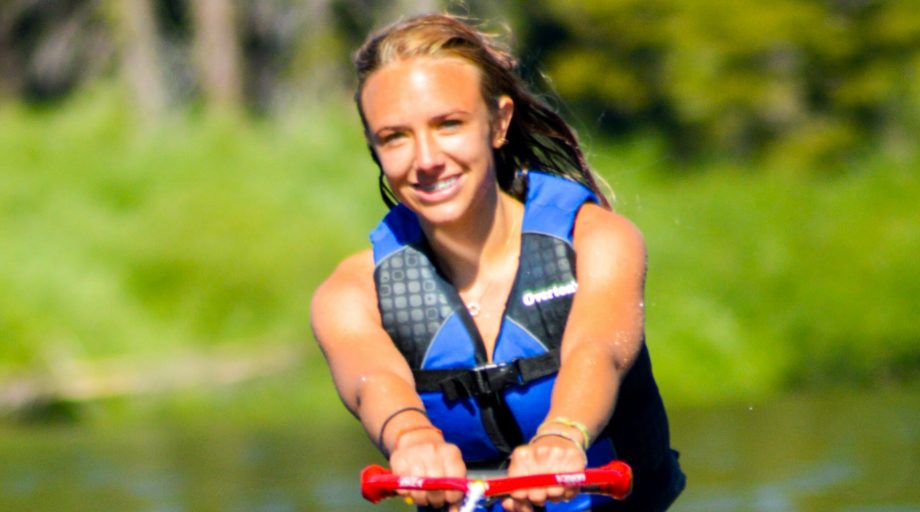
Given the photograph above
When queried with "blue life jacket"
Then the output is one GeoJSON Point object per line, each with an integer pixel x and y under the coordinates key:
{"type": "Point", "coordinates": [488, 408]}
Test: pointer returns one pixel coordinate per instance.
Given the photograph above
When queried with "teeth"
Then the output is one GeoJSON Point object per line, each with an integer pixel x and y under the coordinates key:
{"type": "Point", "coordinates": [438, 185]}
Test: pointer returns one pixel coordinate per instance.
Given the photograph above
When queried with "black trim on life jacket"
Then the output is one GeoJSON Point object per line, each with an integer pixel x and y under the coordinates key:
{"type": "Point", "coordinates": [485, 384]}
{"type": "Point", "coordinates": [497, 419]}
{"type": "Point", "coordinates": [499, 423]}
{"type": "Point", "coordinates": [467, 319]}
{"type": "Point", "coordinates": [487, 379]}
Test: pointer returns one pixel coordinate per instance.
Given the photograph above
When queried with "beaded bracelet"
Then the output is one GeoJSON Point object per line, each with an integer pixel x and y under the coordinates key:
{"type": "Point", "coordinates": [554, 434]}
{"type": "Point", "coordinates": [574, 424]}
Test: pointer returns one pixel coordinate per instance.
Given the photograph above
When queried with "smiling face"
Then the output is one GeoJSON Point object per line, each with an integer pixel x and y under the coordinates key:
{"type": "Point", "coordinates": [434, 135]}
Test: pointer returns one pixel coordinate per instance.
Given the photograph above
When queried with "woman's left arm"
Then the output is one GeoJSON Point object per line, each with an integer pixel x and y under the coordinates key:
{"type": "Point", "coordinates": [603, 336]}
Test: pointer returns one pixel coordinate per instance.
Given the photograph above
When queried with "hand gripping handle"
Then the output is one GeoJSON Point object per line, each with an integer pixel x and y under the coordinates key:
{"type": "Point", "coordinates": [614, 479]}
{"type": "Point", "coordinates": [378, 483]}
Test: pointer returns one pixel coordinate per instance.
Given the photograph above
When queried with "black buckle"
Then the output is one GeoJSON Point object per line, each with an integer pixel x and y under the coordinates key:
{"type": "Point", "coordinates": [483, 380]}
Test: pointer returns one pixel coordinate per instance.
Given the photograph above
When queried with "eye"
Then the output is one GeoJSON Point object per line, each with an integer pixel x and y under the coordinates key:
{"type": "Point", "coordinates": [451, 123]}
{"type": "Point", "coordinates": [390, 138]}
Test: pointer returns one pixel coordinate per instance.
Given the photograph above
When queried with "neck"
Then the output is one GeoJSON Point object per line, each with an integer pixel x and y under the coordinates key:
{"type": "Point", "coordinates": [482, 241]}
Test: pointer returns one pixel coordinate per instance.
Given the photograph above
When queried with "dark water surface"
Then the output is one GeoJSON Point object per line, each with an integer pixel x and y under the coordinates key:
{"type": "Point", "coordinates": [835, 451]}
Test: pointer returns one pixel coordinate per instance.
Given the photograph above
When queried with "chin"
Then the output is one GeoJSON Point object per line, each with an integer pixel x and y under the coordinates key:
{"type": "Point", "coordinates": [441, 214]}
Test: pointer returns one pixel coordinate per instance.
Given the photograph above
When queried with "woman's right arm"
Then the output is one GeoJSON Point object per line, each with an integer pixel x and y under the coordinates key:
{"type": "Point", "coordinates": [374, 380]}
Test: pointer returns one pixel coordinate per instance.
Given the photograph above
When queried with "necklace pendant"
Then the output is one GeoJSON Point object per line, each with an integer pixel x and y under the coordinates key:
{"type": "Point", "coordinates": [473, 308]}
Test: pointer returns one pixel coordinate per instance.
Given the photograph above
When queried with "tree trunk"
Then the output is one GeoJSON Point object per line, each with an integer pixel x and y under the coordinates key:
{"type": "Point", "coordinates": [10, 67]}
{"type": "Point", "coordinates": [217, 53]}
{"type": "Point", "coordinates": [140, 55]}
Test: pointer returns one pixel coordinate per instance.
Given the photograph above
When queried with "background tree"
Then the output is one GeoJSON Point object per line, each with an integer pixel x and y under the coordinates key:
{"type": "Point", "coordinates": [50, 47]}
{"type": "Point", "coordinates": [793, 81]}
{"type": "Point", "coordinates": [217, 53]}
{"type": "Point", "coordinates": [814, 80]}
{"type": "Point", "coordinates": [139, 38]}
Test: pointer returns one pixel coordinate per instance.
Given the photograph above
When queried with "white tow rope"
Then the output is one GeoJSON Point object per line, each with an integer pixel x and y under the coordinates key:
{"type": "Point", "coordinates": [474, 493]}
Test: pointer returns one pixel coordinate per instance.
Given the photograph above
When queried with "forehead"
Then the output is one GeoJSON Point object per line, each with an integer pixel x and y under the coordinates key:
{"type": "Point", "coordinates": [421, 85]}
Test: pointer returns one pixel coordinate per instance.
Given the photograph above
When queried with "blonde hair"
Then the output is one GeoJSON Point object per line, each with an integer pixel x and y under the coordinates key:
{"type": "Point", "coordinates": [537, 138]}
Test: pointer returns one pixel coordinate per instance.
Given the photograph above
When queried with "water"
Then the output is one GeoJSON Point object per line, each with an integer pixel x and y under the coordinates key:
{"type": "Point", "coordinates": [846, 451]}
{"type": "Point", "coordinates": [834, 451]}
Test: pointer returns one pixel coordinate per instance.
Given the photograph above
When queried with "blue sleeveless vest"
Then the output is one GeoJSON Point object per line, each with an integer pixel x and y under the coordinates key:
{"type": "Point", "coordinates": [487, 408]}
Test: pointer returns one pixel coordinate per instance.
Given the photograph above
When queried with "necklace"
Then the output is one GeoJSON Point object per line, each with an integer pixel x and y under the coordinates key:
{"type": "Point", "coordinates": [474, 306]}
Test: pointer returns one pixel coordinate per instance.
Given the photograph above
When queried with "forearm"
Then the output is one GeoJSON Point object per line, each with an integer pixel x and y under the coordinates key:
{"type": "Point", "coordinates": [394, 417]}
{"type": "Point", "coordinates": [581, 404]}
{"type": "Point", "coordinates": [585, 391]}
{"type": "Point", "coordinates": [387, 406]}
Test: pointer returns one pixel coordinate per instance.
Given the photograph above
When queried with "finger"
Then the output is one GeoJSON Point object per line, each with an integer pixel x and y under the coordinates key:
{"type": "Point", "coordinates": [555, 493]}
{"type": "Point", "coordinates": [569, 494]}
{"type": "Point", "coordinates": [453, 496]}
{"type": "Point", "coordinates": [537, 496]}
{"type": "Point", "coordinates": [524, 506]}
{"type": "Point", "coordinates": [453, 467]}
{"type": "Point", "coordinates": [399, 466]}
{"type": "Point", "coordinates": [521, 460]}
{"type": "Point", "coordinates": [419, 497]}
{"type": "Point", "coordinates": [434, 469]}
{"type": "Point", "coordinates": [436, 499]}
{"type": "Point", "coordinates": [513, 505]}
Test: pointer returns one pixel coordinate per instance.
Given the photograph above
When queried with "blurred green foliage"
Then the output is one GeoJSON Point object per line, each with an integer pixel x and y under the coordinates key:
{"type": "Point", "coordinates": [796, 82]}
{"type": "Point", "coordinates": [792, 82]}
{"type": "Point", "coordinates": [123, 239]}
{"type": "Point", "coordinates": [764, 279]}
{"type": "Point", "coordinates": [203, 230]}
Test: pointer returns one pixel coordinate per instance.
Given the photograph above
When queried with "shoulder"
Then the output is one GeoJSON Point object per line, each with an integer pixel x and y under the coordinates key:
{"type": "Point", "coordinates": [599, 228]}
{"type": "Point", "coordinates": [352, 279]}
{"type": "Point", "coordinates": [608, 240]}
{"type": "Point", "coordinates": [349, 289]}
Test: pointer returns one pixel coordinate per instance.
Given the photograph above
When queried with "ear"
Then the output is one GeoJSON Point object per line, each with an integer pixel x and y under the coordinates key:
{"type": "Point", "coordinates": [502, 121]}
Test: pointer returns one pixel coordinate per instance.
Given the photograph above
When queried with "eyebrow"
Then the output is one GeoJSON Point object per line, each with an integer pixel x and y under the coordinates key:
{"type": "Point", "coordinates": [440, 117]}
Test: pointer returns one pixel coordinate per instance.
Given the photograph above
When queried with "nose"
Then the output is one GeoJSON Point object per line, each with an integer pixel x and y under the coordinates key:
{"type": "Point", "coordinates": [428, 155]}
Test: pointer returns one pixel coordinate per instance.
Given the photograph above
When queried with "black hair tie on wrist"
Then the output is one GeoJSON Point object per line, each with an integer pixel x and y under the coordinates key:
{"type": "Point", "coordinates": [390, 417]}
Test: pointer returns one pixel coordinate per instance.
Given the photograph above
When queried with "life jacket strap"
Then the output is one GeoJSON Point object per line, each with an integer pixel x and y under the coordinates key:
{"type": "Point", "coordinates": [488, 379]}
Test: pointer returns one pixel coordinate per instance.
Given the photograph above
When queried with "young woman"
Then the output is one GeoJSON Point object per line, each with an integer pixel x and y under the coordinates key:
{"type": "Point", "coordinates": [462, 338]}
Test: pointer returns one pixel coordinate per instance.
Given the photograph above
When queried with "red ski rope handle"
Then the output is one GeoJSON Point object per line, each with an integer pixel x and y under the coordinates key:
{"type": "Point", "coordinates": [613, 479]}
